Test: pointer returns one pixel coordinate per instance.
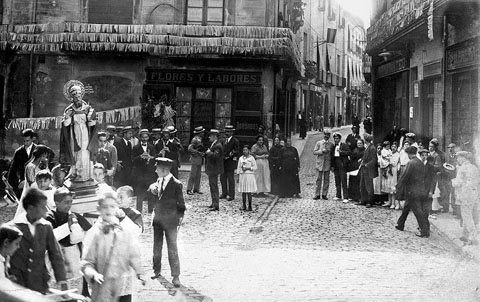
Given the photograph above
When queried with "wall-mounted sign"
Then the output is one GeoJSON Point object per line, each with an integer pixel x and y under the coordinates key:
{"type": "Point", "coordinates": [411, 112]}
{"type": "Point", "coordinates": [463, 54]}
{"type": "Point", "coordinates": [392, 67]}
{"type": "Point", "coordinates": [203, 77]}
{"type": "Point", "coordinates": [63, 60]}
{"type": "Point", "coordinates": [415, 90]}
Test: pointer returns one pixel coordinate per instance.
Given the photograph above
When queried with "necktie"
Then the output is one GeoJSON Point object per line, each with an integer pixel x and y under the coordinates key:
{"type": "Point", "coordinates": [161, 187]}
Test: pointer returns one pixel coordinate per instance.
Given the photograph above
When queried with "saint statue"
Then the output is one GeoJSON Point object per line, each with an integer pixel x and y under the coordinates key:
{"type": "Point", "coordinates": [78, 131]}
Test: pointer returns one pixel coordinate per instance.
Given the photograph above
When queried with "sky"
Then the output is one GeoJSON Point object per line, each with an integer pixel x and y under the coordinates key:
{"type": "Point", "coordinates": [360, 8]}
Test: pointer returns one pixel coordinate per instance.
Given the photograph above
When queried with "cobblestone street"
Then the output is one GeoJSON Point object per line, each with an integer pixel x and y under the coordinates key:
{"type": "Point", "coordinates": [300, 249]}
{"type": "Point", "coordinates": [308, 250]}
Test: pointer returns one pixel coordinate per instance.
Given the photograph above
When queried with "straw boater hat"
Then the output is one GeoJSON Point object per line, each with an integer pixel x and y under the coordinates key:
{"type": "Point", "coordinates": [198, 130]}
{"type": "Point", "coordinates": [327, 132]}
{"type": "Point", "coordinates": [127, 128]}
{"type": "Point", "coordinates": [229, 128]}
{"type": "Point", "coordinates": [410, 135]}
{"type": "Point", "coordinates": [111, 127]}
{"type": "Point", "coordinates": [156, 130]}
{"type": "Point", "coordinates": [143, 131]}
{"type": "Point", "coordinates": [163, 161]}
{"type": "Point", "coordinates": [172, 129]}
{"type": "Point", "coordinates": [119, 128]}
{"type": "Point", "coordinates": [337, 134]}
{"type": "Point", "coordinates": [215, 132]}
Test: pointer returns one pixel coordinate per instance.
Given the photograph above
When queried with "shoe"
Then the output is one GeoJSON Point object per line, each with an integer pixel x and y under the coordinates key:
{"type": "Point", "coordinates": [386, 204]}
{"type": "Point", "coordinates": [189, 192]}
{"type": "Point", "coordinates": [392, 206]}
{"type": "Point", "coordinates": [244, 208]}
{"type": "Point", "coordinates": [324, 197]}
{"type": "Point", "coordinates": [432, 216]}
{"type": "Point", "coordinates": [316, 197]}
{"type": "Point", "coordinates": [213, 209]}
{"type": "Point", "coordinates": [249, 209]}
{"type": "Point", "coordinates": [211, 206]}
{"type": "Point", "coordinates": [336, 198]}
{"type": "Point", "coordinates": [397, 207]}
{"type": "Point", "coordinates": [399, 228]}
{"type": "Point", "coordinates": [156, 275]}
{"type": "Point", "coordinates": [345, 201]}
{"type": "Point", "coordinates": [368, 205]}
{"type": "Point", "coordinates": [223, 197]}
{"type": "Point", "coordinates": [230, 198]}
{"type": "Point", "coordinates": [176, 282]}
{"type": "Point", "coordinates": [418, 234]}
{"type": "Point", "coordinates": [198, 192]}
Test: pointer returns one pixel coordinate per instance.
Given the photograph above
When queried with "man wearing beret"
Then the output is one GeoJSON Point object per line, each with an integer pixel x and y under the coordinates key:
{"type": "Point", "coordinates": [214, 167]}
{"type": "Point", "coordinates": [169, 211]}
{"type": "Point", "coordinates": [412, 183]}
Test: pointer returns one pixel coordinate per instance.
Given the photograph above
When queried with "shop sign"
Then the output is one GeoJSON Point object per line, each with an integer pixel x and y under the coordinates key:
{"type": "Point", "coordinates": [392, 67]}
{"type": "Point", "coordinates": [463, 55]}
{"type": "Point", "coordinates": [203, 77]}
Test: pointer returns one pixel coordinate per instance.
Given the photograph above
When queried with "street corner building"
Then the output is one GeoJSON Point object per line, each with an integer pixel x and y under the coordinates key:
{"type": "Point", "coordinates": [150, 62]}
{"type": "Point", "coordinates": [425, 56]}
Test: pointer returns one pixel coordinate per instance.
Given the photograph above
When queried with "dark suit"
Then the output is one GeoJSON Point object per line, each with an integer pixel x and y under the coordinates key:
{"type": "Point", "coordinates": [169, 208]}
{"type": "Point", "coordinates": [124, 154]}
{"type": "Point", "coordinates": [412, 182]}
{"type": "Point", "coordinates": [16, 173]}
{"type": "Point", "coordinates": [213, 167]}
{"type": "Point", "coordinates": [231, 151]}
{"type": "Point", "coordinates": [28, 262]}
{"type": "Point", "coordinates": [339, 169]}
{"type": "Point", "coordinates": [368, 171]}
{"type": "Point", "coordinates": [173, 153]}
{"type": "Point", "coordinates": [196, 150]}
{"type": "Point", "coordinates": [144, 173]}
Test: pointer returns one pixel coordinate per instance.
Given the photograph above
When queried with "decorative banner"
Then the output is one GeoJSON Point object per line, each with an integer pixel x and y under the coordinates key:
{"type": "Point", "coordinates": [103, 117]}
{"type": "Point", "coordinates": [430, 22]}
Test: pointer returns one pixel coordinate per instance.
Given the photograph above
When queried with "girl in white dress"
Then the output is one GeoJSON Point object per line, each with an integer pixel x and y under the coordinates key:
{"type": "Point", "coordinates": [246, 183]}
{"type": "Point", "coordinates": [262, 174]}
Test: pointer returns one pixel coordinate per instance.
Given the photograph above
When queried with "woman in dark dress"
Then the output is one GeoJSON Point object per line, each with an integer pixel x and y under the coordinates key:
{"type": "Point", "coordinates": [275, 165]}
{"type": "Point", "coordinates": [354, 181]}
{"type": "Point", "coordinates": [290, 169]}
{"type": "Point", "coordinates": [303, 127]}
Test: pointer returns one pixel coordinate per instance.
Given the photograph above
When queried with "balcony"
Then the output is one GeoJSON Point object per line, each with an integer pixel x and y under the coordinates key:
{"type": "Point", "coordinates": [341, 82]}
{"type": "Point", "coordinates": [156, 40]}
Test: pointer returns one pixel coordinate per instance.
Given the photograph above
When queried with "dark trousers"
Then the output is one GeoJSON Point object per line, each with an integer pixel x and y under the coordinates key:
{"type": "Point", "coordinates": [171, 238]}
{"type": "Point", "coordinates": [366, 186]}
{"type": "Point", "coordinates": [427, 209]}
{"type": "Point", "coordinates": [140, 190]}
{"type": "Point", "coordinates": [174, 169]}
{"type": "Point", "coordinates": [194, 178]}
{"type": "Point", "coordinates": [340, 178]}
{"type": "Point", "coordinates": [228, 184]}
{"type": "Point", "coordinates": [213, 183]}
{"type": "Point", "coordinates": [414, 204]}
{"type": "Point", "coordinates": [354, 187]}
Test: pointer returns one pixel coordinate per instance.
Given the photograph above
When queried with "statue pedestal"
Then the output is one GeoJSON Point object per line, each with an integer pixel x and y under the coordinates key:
{"type": "Point", "coordinates": [86, 195]}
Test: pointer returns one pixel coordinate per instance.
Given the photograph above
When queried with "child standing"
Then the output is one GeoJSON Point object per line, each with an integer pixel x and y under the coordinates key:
{"type": "Point", "coordinates": [109, 252]}
{"type": "Point", "coordinates": [10, 237]}
{"type": "Point", "coordinates": [246, 183]}
{"type": "Point", "coordinates": [69, 229]}
{"type": "Point", "coordinates": [28, 263]}
{"type": "Point", "coordinates": [395, 163]}
{"type": "Point", "coordinates": [43, 180]}
{"type": "Point", "coordinates": [125, 196]}
{"type": "Point", "coordinates": [386, 173]}
{"type": "Point", "coordinates": [99, 176]}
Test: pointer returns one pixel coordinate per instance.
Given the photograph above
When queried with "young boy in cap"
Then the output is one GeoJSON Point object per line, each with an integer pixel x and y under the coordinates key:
{"type": "Point", "coordinates": [169, 211]}
{"type": "Point", "coordinates": [28, 263]}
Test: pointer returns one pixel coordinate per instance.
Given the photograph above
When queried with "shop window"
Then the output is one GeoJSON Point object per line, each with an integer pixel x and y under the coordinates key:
{"type": "Point", "coordinates": [110, 11]}
{"type": "Point", "coordinates": [205, 12]}
{"type": "Point", "coordinates": [248, 113]}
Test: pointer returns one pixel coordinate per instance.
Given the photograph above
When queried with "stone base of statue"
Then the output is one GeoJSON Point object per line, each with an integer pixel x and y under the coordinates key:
{"type": "Point", "coordinates": [86, 195]}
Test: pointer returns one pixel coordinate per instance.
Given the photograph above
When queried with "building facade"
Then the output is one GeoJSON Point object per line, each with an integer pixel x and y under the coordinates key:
{"type": "Point", "coordinates": [425, 69]}
{"type": "Point", "coordinates": [332, 43]}
{"type": "Point", "coordinates": [215, 62]}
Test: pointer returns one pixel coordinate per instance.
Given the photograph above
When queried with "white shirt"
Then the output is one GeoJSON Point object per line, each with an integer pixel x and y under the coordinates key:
{"type": "Point", "coordinates": [126, 142]}
{"type": "Point", "coordinates": [144, 147]}
{"type": "Point", "coordinates": [3, 268]}
{"type": "Point", "coordinates": [22, 218]}
{"type": "Point", "coordinates": [337, 151]}
{"type": "Point", "coordinates": [28, 149]}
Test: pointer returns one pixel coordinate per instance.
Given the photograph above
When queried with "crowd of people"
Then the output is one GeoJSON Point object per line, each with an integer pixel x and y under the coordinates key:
{"type": "Point", "coordinates": [402, 174]}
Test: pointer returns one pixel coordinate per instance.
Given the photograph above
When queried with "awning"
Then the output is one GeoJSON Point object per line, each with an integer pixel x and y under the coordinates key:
{"type": "Point", "coordinates": [160, 40]}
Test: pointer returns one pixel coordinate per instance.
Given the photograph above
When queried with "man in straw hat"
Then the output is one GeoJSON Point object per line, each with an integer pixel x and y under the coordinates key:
{"type": "Point", "coordinates": [171, 147]}
{"type": "Point", "coordinates": [323, 150]}
{"type": "Point", "coordinates": [412, 183]}
{"type": "Point", "coordinates": [197, 152]}
{"type": "Point", "coordinates": [231, 151]}
{"type": "Point", "coordinates": [143, 155]}
{"type": "Point", "coordinates": [214, 167]}
{"type": "Point", "coordinates": [169, 211]}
